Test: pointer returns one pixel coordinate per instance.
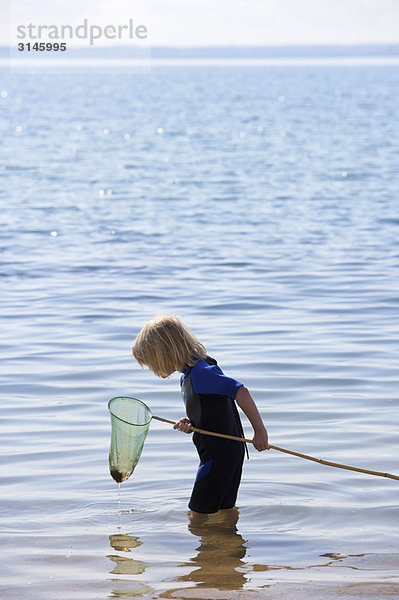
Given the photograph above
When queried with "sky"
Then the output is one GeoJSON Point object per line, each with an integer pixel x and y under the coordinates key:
{"type": "Point", "coordinates": [218, 22]}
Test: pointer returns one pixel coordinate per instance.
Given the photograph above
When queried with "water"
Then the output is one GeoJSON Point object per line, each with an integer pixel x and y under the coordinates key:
{"type": "Point", "coordinates": [260, 204]}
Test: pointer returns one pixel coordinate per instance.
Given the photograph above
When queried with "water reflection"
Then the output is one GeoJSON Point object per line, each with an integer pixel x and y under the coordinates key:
{"type": "Point", "coordinates": [219, 562]}
{"type": "Point", "coordinates": [143, 591]}
{"type": "Point", "coordinates": [122, 542]}
{"type": "Point", "coordinates": [219, 565]}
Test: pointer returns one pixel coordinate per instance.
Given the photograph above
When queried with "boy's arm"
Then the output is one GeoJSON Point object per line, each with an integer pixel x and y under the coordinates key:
{"type": "Point", "coordinates": [246, 403]}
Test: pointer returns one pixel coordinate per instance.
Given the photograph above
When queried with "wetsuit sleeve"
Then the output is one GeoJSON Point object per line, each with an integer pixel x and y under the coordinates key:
{"type": "Point", "coordinates": [210, 379]}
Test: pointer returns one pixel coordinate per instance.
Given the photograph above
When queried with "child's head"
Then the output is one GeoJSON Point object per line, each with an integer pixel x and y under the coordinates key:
{"type": "Point", "coordinates": [166, 345]}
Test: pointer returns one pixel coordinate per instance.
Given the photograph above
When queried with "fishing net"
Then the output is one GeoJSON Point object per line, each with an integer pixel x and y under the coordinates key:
{"type": "Point", "coordinates": [130, 422]}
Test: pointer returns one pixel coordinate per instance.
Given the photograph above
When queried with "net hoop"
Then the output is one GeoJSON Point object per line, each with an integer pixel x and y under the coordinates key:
{"type": "Point", "coordinates": [128, 400]}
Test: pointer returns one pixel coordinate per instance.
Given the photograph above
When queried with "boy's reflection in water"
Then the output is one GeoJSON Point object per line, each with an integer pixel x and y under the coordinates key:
{"type": "Point", "coordinates": [219, 562]}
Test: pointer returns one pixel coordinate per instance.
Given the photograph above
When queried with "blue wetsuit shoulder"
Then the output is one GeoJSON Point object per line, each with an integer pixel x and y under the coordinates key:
{"type": "Point", "coordinates": [209, 379]}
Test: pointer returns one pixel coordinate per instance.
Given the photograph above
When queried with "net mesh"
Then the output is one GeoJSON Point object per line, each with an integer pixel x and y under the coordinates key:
{"type": "Point", "coordinates": [130, 422]}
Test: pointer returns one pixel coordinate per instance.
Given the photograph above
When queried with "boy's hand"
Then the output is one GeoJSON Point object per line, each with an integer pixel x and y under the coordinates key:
{"type": "Point", "coordinates": [260, 440]}
{"type": "Point", "coordinates": [183, 425]}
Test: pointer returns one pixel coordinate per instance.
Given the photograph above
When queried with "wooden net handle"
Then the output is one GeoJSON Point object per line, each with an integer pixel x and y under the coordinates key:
{"type": "Point", "coordinates": [321, 461]}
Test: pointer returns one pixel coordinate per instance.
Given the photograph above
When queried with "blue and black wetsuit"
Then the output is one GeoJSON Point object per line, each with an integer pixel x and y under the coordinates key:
{"type": "Point", "coordinates": [209, 398]}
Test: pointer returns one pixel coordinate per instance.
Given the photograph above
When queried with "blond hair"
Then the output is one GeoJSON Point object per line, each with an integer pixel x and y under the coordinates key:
{"type": "Point", "coordinates": [166, 345]}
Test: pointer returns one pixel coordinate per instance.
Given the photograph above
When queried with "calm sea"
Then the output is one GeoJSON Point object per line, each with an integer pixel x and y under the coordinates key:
{"type": "Point", "coordinates": [260, 204]}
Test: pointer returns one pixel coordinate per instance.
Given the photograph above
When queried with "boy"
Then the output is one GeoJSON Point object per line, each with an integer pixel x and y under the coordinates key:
{"type": "Point", "coordinates": [165, 345]}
